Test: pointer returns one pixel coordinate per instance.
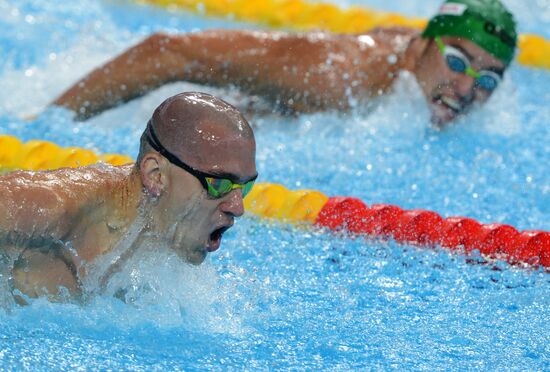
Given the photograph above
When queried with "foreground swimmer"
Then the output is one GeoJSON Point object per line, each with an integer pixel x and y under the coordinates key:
{"type": "Point", "coordinates": [60, 229]}
{"type": "Point", "coordinates": [458, 60]}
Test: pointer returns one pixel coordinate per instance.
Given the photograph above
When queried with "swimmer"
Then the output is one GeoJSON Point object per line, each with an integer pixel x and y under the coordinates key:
{"type": "Point", "coordinates": [458, 60]}
{"type": "Point", "coordinates": [60, 229]}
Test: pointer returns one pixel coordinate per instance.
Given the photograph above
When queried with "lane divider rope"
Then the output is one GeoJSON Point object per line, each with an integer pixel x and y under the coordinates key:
{"type": "Point", "coordinates": [42, 155]}
{"type": "Point", "coordinates": [416, 227]}
{"type": "Point", "coordinates": [312, 208]}
{"type": "Point", "coordinates": [302, 15]}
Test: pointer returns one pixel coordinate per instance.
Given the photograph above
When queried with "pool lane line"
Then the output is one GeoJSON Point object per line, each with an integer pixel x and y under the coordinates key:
{"type": "Point", "coordinates": [300, 15]}
{"type": "Point", "coordinates": [43, 155]}
{"type": "Point", "coordinates": [312, 208]}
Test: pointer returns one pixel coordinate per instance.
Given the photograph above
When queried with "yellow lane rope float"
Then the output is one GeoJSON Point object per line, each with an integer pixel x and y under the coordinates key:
{"type": "Point", "coordinates": [313, 208]}
{"type": "Point", "coordinates": [534, 50]}
{"type": "Point", "coordinates": [42, 155]}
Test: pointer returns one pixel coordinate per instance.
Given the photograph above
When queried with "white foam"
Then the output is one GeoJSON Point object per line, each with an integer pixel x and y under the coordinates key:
{"type": "Point", "coordinates": [159, 287]}
{"type": "Point", "coordinates": [29, 90]}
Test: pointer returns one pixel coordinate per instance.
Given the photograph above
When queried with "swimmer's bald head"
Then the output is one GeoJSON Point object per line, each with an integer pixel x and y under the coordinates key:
{"type": "Point", "coordinates": [201, 130]}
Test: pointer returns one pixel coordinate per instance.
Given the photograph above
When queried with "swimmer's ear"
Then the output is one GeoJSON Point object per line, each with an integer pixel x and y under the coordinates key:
{"type": "Point", "coordinates": [152, 174]}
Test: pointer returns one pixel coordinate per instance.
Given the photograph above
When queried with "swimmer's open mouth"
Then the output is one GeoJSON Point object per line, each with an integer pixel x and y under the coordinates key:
{"type": "Point", "coordinates": [215, 238]}
{"type": "Point", "coordinates": [450, 103]}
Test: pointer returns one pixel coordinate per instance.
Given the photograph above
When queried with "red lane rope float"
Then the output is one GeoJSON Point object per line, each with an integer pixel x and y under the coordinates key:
{"type": "Point", "coordinates": [427, 228]}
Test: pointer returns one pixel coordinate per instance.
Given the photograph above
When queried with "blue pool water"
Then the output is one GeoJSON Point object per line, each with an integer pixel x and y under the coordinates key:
{"type": "Point", "coordinates": [279, 297]}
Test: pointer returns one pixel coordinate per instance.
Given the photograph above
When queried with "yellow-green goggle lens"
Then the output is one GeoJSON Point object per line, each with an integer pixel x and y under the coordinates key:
{"type": "Point", "coordinates": [247, 187]}
{"type": "Point", "coordinates": [218, 187]}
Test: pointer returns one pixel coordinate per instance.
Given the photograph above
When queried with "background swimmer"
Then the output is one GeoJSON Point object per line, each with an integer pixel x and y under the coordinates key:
{"type": "Point", "coordinates": [314, 71]}
{"type": "Point", "coordinates": [60, 229]}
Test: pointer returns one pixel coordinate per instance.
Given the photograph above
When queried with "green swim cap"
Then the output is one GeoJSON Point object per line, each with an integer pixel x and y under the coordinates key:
{"type": "Point", "coordinates": [485, 22]}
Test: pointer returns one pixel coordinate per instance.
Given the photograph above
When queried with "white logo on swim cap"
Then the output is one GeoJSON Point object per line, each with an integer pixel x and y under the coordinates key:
{"type": "Point", "coordinates": [454, 9]}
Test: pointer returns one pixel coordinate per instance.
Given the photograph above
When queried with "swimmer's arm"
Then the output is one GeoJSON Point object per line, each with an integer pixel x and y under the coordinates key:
{"type": "Point", "coordinates": [39, 273]}
{"type": "Point", "coordinates": [218, 57]}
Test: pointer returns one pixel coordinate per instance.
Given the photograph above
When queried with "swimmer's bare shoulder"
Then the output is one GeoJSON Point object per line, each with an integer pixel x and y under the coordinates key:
{"type": "Point", "coordinates": [50, 203]}
{"type": "Point", "coordinates": [34, 204]}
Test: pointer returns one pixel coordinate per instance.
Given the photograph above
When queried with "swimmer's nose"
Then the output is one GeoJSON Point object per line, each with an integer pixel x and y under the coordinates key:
{"type": "Point", "coordinates": [233, 203]}
{"type": "Point", "coordinates": [464, 85]}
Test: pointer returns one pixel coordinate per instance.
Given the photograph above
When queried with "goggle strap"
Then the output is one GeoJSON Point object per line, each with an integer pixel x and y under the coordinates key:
{"type": "Point", "coordinates": [440, 44]}
{"type": "Point", "coordinates": [153, 140]}
{"type": "Point", "coordinates": [471, 72]}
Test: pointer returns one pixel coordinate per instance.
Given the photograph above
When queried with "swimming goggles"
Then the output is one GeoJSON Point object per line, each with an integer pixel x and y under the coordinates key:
{"type": "Point", "coordinates": [215, 187]}
{"type": "Point", "coordinates": [458, 62]}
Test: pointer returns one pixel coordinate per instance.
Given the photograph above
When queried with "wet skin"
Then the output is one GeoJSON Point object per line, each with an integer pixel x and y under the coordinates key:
{"type": "Point", "coordinates": [55, 225]}
{"type": "Point", "coordinates": [43, 211]}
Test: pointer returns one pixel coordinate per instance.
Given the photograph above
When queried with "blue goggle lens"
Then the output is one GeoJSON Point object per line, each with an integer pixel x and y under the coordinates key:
{"type": "Point", "coordinates": [456, 63]}
{"type": "Point", "coordinates": [487, 82]}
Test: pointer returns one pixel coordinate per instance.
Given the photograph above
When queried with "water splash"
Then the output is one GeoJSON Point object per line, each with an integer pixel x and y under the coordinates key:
{"type": "Point", "coordinates": [274, 294]}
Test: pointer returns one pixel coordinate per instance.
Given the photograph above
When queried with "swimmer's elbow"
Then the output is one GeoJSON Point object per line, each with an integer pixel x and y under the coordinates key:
{"type": "Point", "coordinates": [163, 56]}
{"type": "Point", "coordinates": [155, 39]}
{"type": "Point", "coordinates": [161, 42]}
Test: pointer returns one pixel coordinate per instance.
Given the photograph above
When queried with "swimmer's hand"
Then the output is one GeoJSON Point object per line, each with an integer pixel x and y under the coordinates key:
{"type": "Point", "coordinates": [30, 117]}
